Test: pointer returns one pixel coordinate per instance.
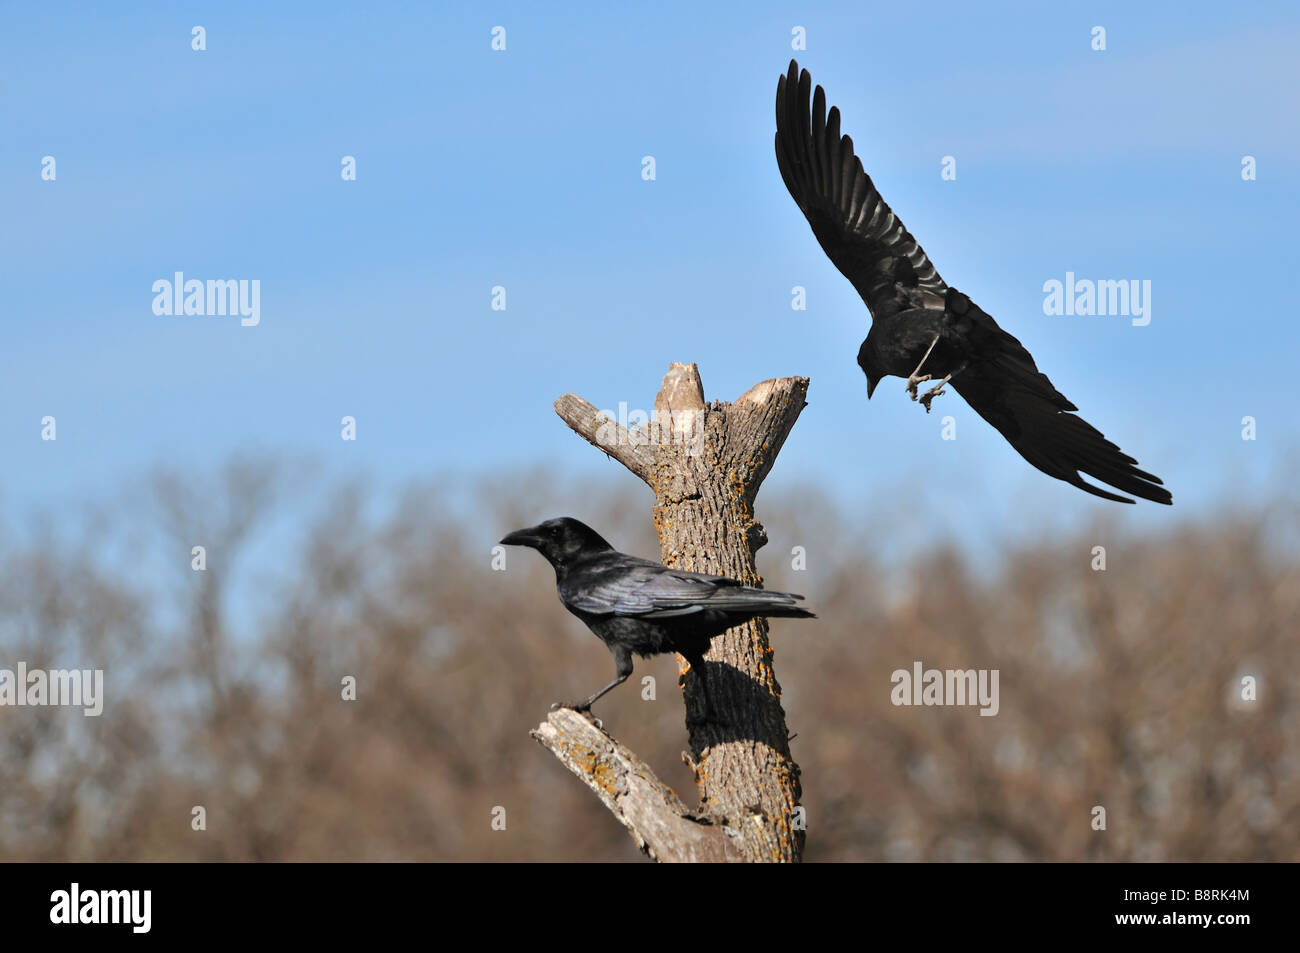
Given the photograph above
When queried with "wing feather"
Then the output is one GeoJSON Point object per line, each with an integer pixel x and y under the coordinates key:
{"type": "Point", "coordinates": [628, 586]}
{"type": "Point", "coordinates": [859, 233]}
{"type": "Point", "coordinates": [1006, 388]}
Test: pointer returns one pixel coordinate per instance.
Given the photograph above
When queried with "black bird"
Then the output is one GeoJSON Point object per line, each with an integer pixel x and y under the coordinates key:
{"type": "Point", "coordinates": [640, 606]}
{"type": "Point", "coordinates": [921, 328]}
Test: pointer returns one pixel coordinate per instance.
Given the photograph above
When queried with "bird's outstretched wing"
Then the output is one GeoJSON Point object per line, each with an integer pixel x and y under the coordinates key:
{"type": "Point", "coordinates": [627, 586]}
{"type": "Point", "coordinates": [1005, 387]}
{"type": "Point", "coordinates": [856, 229]}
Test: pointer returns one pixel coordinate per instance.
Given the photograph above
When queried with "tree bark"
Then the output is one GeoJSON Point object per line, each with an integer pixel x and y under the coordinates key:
{"type": "Point", "coordinates": [705, 465]}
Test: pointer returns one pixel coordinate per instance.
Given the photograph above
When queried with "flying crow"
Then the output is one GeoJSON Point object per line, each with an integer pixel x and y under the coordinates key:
{"type": "Point", "coordinates": [640, 606]}
{"type": "Point", "coordinates": [921, 328]}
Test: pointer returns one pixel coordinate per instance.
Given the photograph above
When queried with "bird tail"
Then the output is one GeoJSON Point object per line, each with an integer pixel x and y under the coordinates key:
{"type": "Point", "coordinates": [764, 602]}
{"type": "Point", "coordinates": [790, 612]}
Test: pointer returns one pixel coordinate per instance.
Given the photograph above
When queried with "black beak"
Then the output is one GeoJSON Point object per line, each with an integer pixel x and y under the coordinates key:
{"type": "Point", "coordinates": [522, 537]}
{"type": "Point", "coordinates": [871, 386]}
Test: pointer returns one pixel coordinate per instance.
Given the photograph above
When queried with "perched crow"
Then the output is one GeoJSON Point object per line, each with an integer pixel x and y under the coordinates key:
{"type": "Point", "coordinates": [921, 328]}
{"type": "Point", "coordinates": [636, 605]}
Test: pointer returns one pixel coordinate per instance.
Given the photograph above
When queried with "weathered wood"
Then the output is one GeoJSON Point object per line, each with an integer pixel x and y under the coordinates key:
{"type": "Point", "coordinates": [655, 817]}
{"type": "Point", "coordinates": [705, 463]}
{"type": "Point", "coordinates": [616, 440]}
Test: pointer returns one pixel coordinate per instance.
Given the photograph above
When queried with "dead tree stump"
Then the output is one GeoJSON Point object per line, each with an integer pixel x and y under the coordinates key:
{"type": "Point", "coordinates": [705, 465]}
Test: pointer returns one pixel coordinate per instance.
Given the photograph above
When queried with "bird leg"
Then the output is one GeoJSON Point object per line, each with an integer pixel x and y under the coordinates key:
{"type": "Point", "coordinates": [935, 391]}
{"type": "Point", "coordinates": [622, 667]}
{"type": "Point", "coordinates": [916, 377]}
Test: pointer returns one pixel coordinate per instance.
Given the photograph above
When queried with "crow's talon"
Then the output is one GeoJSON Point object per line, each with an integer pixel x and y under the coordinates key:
{"type": "Point", "coordinates": [582, 708]}
{"type": "Point", "coordinates": [575, 706]}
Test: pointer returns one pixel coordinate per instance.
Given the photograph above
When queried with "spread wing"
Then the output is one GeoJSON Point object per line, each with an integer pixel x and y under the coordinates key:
{"type": "Point", "coordinates": [856, 229]}
{"type": "Point", "coordinates": [627, 586]}
{"type": "Point", "coordinates": [1005, 387]}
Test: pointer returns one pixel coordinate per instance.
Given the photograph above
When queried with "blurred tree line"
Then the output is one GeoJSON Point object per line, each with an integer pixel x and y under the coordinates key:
{"type": "Point", "coordinates": [1119, 688]}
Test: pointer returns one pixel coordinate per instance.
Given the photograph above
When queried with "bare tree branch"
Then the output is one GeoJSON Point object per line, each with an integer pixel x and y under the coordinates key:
{"type": "Point", "coordinates": [627, 447]}
{"type": "Point", "coordinates": [655, 816]}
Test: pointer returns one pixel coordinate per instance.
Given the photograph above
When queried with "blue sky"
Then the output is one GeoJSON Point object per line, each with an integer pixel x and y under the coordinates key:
{"type": "Point", "coordinates": [522, 168]}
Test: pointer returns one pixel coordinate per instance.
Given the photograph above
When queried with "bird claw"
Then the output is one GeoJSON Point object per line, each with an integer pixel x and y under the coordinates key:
{"type": "Point", "coordinates": [581, 709]}
{"type": "Point", "coordinates": [912, 383]}
{"type": "Point", "coordinates": [930, 395]}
